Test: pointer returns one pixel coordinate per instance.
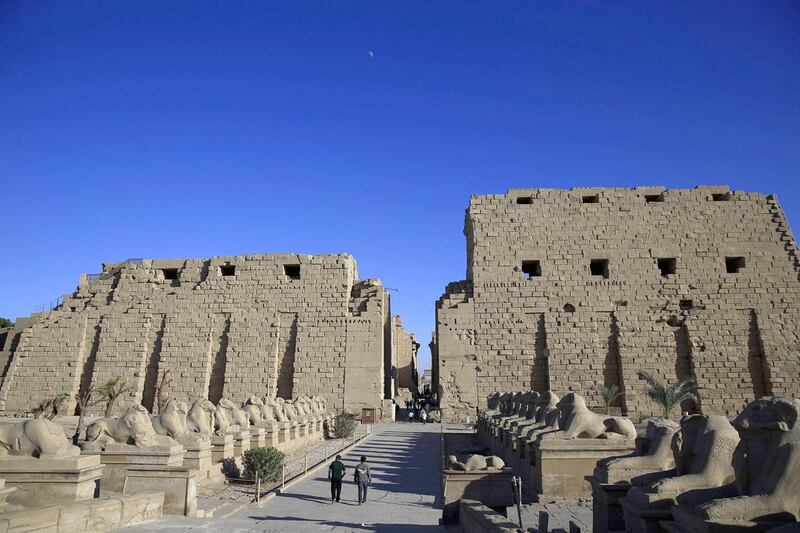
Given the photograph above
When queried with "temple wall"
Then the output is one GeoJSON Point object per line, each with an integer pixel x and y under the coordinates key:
{"type": "Point", "coordinates": [279, 324]}
{"type": "Point", "coordinates": [573, 289]}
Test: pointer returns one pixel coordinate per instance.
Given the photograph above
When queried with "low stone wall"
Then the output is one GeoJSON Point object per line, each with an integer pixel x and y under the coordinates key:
{"type": "Point", "coordinates": [103, 514]}
{"type": "Point", "coordinates": [474, 517]}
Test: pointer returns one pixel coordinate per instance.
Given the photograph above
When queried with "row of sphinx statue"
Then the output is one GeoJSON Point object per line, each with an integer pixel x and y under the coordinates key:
{"type": "Point", "coordinates": [177, 423]}
{"type": "Point", "coordinates": [527, 416]}
{"type": "Point", "coordinates": [704, 473]}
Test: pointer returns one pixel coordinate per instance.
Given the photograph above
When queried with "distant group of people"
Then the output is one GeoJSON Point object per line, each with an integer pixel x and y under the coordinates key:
{"type": "Point", "coordinates": [361, 477]}
{"type": "Point", "coordinates": [418, 410]}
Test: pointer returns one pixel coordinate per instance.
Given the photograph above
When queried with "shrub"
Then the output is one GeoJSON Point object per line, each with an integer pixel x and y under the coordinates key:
{"type": "Point", "coordinates": [266, 462]}
{"type": "Point", "coordinates": [344, 425]}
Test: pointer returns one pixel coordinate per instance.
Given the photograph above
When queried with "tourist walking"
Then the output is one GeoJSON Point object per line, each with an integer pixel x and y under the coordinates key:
{"type": "Point", "coordinates": [335, 475]}
{"type": "Point", "coordinates": [423, 415]}
{"type": "Point", "coordinates": [362, 479]}
{"type": "Point", "coordinates": [410, 415]}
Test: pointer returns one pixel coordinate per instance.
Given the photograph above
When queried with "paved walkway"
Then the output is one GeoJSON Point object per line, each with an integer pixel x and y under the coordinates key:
{"type": "Point", "coordinates": [405, 495]}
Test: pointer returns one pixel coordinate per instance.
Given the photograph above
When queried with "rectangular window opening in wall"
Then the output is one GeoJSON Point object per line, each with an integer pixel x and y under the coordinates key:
{"type": "Point", "coordinates": [667, 266]}
{"type": "Point", "coordinates": [686, 305]}
{"type": "Point", "coordinates": [653, 198]}
{"type": "Point", "coordinates": [227, 270]}
{"type": "Point", "coordinates": [734, 264]}
{"type": "Point", "coordinates": [721, 197]}
{"type": "Point", "coordinates": [524, 200]}
{"type": "Point", "coordinates": [532, 269]}
{"type": "Point", "coordinates": [292, 271]}
{"type": "Point", "coordinates": [170, 273]}
{"type": "Point", "coordinates": [599, 267]}
{"type": "Point", "coordinates": [591, 199]}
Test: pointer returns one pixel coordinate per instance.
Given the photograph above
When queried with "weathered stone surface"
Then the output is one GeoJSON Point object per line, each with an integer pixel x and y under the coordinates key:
{"type": "Point", "coordinates": [766, 462]}
{"type": "Point", "coordinates": [699, 283]}
{"type": "Point", "coordinates": [283, 325]}
{"type": "Point", "coordinates": [51, 481]}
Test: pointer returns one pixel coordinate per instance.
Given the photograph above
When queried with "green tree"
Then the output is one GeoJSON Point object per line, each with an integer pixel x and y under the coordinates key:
{"type": "Point", "coordinates": [608, 395]}
{"type": "Point", "coordinates": [6, 323]}
{"type": "Point", "coordinates": [84, 400]}
{"type": "Point", "coordinates": [111, 391]}
{"type": "Point", "coordinates": [667, 396]}
{"type": "Point", "coordinates": [49, 408]}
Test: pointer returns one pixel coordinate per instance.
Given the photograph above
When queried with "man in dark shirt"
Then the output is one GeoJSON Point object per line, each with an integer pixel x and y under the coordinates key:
{"type": "Point", "coordinates": [336, 474]}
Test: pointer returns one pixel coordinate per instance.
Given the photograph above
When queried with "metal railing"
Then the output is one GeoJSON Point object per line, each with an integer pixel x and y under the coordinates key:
{"type": "Point", "coordinates": [299, 467]}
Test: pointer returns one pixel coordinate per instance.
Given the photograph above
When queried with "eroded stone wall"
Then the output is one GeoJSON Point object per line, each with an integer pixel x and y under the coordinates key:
{"type": "Point", "coordinates": [279, 324]}
{"type": "Point", "coordinates": [572, 289]}
{"type": "Point", "coordinates": [404, 350]}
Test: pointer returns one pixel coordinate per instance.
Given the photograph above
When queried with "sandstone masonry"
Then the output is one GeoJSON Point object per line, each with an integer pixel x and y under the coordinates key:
{"type": "Point", "coordinates": [571, 289]}
{"type": "Point", "coordinates": [281, 324]}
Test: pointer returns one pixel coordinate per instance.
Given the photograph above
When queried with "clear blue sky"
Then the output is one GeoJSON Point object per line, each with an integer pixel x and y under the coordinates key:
{"type": "Point", "coordinates": [193, 129]}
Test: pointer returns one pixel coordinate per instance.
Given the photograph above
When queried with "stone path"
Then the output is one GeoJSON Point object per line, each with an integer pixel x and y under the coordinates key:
{"type": "Point", "coordinates": [405, 495]}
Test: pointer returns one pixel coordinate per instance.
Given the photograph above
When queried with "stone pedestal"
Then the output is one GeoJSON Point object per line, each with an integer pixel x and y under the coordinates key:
{"type": "Point", "coordinates": [199, 457]}
{"type": "Point", "coordinates": [4, 492]}
{"type": "Point", "coordinates": [645, 511]}
{"type": "Point", "coordinates": [179, 486]}
{"type": "Point", "coordinates": [490, 487]}
{"type": "Point", "coordinates": [607, 512]}
{"type": "Point", "coordinates": [56, 481]}
{"type": "Point", "coordinates": [257, 437]}
{"type": "Point", "coordinates": [561, 466]}
{"type": "Point", "coordinates": [241, 442]}
{"type": "Point", "coordinates": [221, 447]}
{"type": "Point", "coordinates": [119, 459]}
{"type": "Point", "coordinates": [609, 486]}
{"type": "Point", "coordinates": [687, 522]}
{"type": "Point", "coordinates": [270, 435]}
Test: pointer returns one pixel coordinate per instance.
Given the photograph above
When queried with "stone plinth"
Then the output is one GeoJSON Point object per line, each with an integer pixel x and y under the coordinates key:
{"type": "Point", "coordinates": [609, 487]}
{"type": "Point", "coordinates": [199, 457]}
{"type": "Point", "coordinates": [492, 488]}
{"type": "Point", "coordinates": [257, 437]}
{"type": "Point", "coordinates": [644, 511]}
{"type": "Point", "coordinates": [179, 486]}
{"type": "Point", "coordinates": [270, 435]}
{"type": "Point", "coordinates": [119, 459]}
{"type": "Point", "coordinates": [221, 447]}
{"type": "Point", "coordinates": [43, 482]}
{"type": "Point", "coordinates": [685, 522]}
{"type": "Point", "coordinates": [90, 516]}
{"type": "Point", "coordinates": [241, 442]}
{"type": "Point", "coordinates": [607, 512]}
{"type": "Point", "coordinates": [561, 466]}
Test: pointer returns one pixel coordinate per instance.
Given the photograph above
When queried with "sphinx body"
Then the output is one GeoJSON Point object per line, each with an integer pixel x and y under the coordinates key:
{"type": "Point", "coordinates": [655, 458]}
{"type": "Point", "coordinates": [38, 437]}
{"type": "Point", "coordinates": [766, 464]}
{"type": "Point", "coordinates": [476, 462]}
{"type": "Point", "coordinates": [132, 428]}
{"type": "Point", "coordinates": [581, 423]}
{"type": "Point", "coordinates": [172, 422]}
{"type": "Point", "coordinates": [200, 418]}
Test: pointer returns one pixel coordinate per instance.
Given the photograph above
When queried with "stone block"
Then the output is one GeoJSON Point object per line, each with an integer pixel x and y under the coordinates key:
{"type": "Point", "coordinates": [492, 488]}
{"type": "Point", "coordinates": [179, 486]}
{"type": "Point", "coordinates": [39, 482]}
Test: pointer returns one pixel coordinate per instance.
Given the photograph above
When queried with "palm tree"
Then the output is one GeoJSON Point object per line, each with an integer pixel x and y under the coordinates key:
{"type": "Point", "coordinates": [111, 391]}
{"type": "Point", "coordinates": [668, 396]}
{"type": "Point", "coordinates": [608, 395]}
